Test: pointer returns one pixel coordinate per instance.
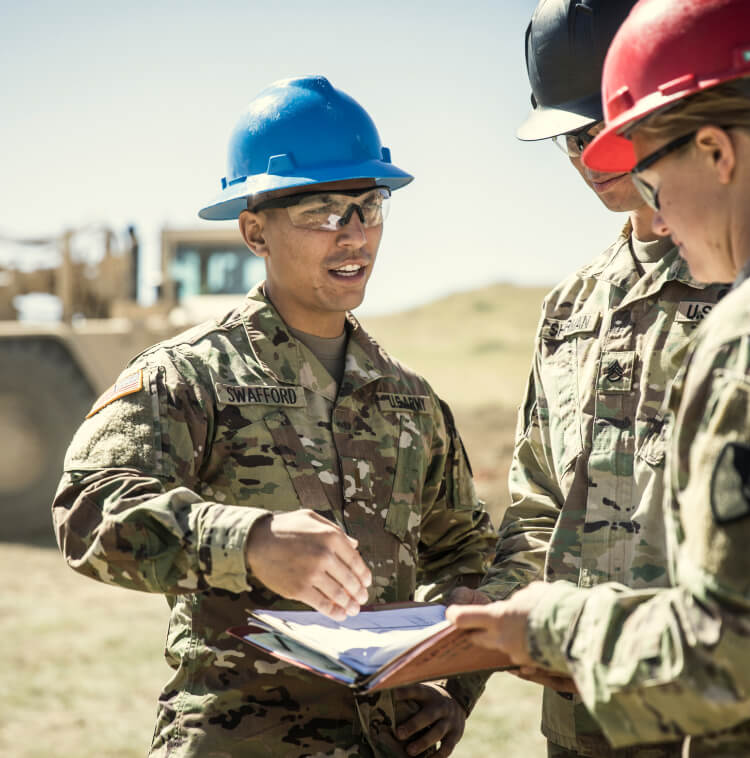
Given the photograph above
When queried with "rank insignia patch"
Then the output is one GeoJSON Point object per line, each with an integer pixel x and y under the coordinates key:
{"type": "Point", "coordinates": [127, 385]}
{"type": "Point", "coordinates": [730, 484]}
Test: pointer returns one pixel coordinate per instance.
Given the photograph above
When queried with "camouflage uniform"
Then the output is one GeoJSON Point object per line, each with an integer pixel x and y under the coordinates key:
{"type": "Point", "coordinates": [655, 665]}
{"type": "Point", "coordinates": [586, 478]}
{"type": "Point", "coordinates": [204, 434]}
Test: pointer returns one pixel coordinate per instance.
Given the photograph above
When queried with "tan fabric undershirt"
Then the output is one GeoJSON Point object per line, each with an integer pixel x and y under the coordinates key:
{"type": "Point", "coordinates": [330, 351]}
{"type": "Point", "coordinates": [648, 254]}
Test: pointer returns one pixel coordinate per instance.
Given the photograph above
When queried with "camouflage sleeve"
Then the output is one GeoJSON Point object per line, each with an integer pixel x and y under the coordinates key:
{"type": "Point", "coordinates": [535, 495]}
{"type": "Point", "coordinates": [457, 535]}
{"type": "Point", "coordinates": [127, 511]}
{"type": "Point", "coordinates": [655, 665]}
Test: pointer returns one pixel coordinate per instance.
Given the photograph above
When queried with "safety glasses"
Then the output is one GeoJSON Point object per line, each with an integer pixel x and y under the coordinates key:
{"type": "Point", "coordinates": [574, 143]}
{"type": "Point", "coordinates": [648, 193]}
{"type": "Point", "coordinates": [329, 211]}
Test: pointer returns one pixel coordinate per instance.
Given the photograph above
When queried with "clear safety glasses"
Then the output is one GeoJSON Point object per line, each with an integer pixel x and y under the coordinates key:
{"type": "Point", "coordinates": [648, 193]}
{"type": "Point", "coordinates": [329, 211]}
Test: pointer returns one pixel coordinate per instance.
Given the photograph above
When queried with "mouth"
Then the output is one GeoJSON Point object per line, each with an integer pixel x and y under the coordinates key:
{"type": "Point", "coordinates": [604, 184]}
{"type": "Point", "coordinates": [350, 272]}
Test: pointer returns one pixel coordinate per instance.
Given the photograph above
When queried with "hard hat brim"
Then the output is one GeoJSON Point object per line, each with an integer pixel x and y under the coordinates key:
{"type": "Point", "coordinates": [612, 152]}
{"type": "Point", "coordinates": [545, 122]}
{"type": "Point", "coordinates": [609, 152]}
{"type": "Point", "coordinates": [233, 200]}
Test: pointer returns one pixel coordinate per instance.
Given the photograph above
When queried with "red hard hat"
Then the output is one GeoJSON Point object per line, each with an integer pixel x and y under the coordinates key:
{"type": "Point", "coordinates": [665, 51]}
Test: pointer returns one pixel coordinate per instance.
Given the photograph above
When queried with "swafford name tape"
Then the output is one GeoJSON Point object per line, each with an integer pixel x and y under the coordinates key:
{"type": "Point", "coordinates": [260, 394]}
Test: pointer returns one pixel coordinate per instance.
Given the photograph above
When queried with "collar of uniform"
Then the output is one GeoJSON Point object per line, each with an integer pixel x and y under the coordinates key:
{"type": "Point", "coordinates": [366, 361]}
{"type": "Point", "coordinates": [282, 357]}
{"type": "Point", "coordinates": [618, 268]}
{"type": "Point", "coordinates": [671, 268]}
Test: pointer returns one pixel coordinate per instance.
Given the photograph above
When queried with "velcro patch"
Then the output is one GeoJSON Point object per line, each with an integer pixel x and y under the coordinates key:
{"type": "Point", "coordinates": [129, 384]}
{"type": "Point", "coordinates": [392, 402]}
{"type": "Point", "coordinates": [559, 329]}
{"type": "Point", "coordinates": [693, 310]}
{"type": "Point", "coordinates": [730, 484]}
{"type": "Point", "coordinates": [616, 371]}
{"type": "Point", "coordinates": [261, 394]}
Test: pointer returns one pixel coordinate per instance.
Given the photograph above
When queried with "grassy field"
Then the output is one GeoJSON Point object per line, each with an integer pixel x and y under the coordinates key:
{"type": "Point", "coordinates": [82, 662]}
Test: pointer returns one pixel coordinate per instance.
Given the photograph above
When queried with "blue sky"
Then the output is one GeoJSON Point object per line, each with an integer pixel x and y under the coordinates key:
{"type": "Point", "coordinates": [120, 113]}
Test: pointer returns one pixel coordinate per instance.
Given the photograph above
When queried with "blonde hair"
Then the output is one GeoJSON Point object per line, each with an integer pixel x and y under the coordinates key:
{"type": "Point", "coordinates": [724, 105]}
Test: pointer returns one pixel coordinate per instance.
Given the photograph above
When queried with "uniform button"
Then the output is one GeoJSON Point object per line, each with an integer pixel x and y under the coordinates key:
{"type": "Point", "coordinates": [621, 318]}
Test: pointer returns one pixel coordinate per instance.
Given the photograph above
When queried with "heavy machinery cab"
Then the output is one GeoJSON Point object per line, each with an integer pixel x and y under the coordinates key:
{"type": "Point", "coordinates": [52, 372]}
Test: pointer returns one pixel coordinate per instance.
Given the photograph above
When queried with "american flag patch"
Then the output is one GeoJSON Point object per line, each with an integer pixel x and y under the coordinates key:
{"type": "Point", "coordinates": [126, 386]}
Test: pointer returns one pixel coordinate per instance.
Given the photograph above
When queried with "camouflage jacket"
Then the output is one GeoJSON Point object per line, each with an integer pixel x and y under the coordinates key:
{"type": "Point", "coordinates": [586, 479]}
{"type": "Point", "coordinates": [659, 664]}
{"type": "Point", "coordinates": [207, 432]}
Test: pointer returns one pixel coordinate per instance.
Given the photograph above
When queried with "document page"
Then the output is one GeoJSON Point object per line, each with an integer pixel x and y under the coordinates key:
{"type": "Point", "coordinates": [365, 641]}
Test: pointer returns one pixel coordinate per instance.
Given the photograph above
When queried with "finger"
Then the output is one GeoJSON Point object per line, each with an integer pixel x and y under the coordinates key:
{"type": "Point", "coordinates": [411, 692]}
{"type": "Point", "coordinates": [350, 581]}
{"type": "Point", "coordinates": [489, 639]}
{"type": "Point", "coordinates": [448, 743]}
{"type": "Point", "coordinates": [428, 739]}
{"type": "Point", "coordinates": [467, 596]}
{"type": "Point", "coordinates": [352, 560]}
{"type": "Point", "coordinates": [335, 593]}
{"type": "Point", "coordinates": [321, 603]}
{"type": "Point", "coordinates": [420, 720]}
{"type": "Point", "coordinates": [559, 683]}
{"type": "Point", "coordinates": [471, 616]}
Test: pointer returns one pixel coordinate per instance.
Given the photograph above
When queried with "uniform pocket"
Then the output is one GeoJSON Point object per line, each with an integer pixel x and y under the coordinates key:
{"type": "Point", "coordinates": [654, 447]}
{"type": "Point", "coordinates": [558, 404]}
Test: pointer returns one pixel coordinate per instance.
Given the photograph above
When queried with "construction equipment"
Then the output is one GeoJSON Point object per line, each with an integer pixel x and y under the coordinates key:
{"type": "Point", "coordinates": [51, 372]}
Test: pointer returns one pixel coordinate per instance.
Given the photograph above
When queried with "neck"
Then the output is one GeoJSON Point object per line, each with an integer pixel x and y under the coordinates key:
{"type": "Point", "coordinates": [739, 220]}
{"type": "Point", "coordinates": [642, 220]}
{"type": "Point", "coordinates": [318, 323]}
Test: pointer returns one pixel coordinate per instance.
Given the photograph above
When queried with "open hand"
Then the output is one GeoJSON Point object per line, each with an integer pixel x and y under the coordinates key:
{"type": "Point", "coordinates": [303, 556]}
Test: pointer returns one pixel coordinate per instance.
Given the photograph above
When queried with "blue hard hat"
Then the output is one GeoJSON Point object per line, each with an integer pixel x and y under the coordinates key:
{"type": "Point", "coordinates": [300, 132]}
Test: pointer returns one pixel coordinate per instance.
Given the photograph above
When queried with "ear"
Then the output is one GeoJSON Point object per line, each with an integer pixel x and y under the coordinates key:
{"type": "Point", "coordinates": [716, 144]}
{"type": "Point", "coordinates": [252, 231]}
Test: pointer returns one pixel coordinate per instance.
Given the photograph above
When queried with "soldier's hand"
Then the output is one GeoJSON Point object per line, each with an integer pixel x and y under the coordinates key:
{"type": "Point", "coordinates": [468, 596]}
{"type": "Point", "coordinates": [501, 625]}
{"type": "Point", "coordinates": [302, 556]}
{"type": "Point", "coordinates": [440, 719]}
{"type": "Point", "coordinates": [547, 679]}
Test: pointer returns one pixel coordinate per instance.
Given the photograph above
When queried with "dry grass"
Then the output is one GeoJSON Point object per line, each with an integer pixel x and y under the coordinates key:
{"type": "Point", "coordinates": [82, 662]}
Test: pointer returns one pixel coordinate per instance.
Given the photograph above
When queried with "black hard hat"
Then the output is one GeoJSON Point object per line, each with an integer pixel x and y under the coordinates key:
{"type": "Point", "coordinates": [566, 42]}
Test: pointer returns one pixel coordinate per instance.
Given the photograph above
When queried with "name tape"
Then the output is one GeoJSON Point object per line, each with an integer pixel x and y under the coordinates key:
{"type": "Point", "coordinates": [557, 329]}
{"type": "Point", "coordinates": [391, 402]}
{"type": "Point", "coordinates": [261, 394]}
{"type": "Point", "coordinates": [693, 310]}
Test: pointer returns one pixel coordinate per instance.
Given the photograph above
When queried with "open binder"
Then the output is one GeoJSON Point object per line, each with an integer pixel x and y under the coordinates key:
{"type": "Point", "coordinates": [381, 647]}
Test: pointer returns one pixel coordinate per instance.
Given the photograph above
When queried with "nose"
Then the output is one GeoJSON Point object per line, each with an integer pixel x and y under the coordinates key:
{"type": "Point", "coordinates": [659, 226]}
{"type": "Point", "coordinates": [353, 230]}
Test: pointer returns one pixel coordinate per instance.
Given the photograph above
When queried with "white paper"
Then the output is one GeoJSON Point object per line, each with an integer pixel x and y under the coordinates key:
{"type": "Point", "coordinates": [365, 641]}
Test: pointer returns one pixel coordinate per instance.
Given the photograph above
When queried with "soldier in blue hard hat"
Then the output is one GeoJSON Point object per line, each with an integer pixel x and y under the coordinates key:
{"type": "Point", "coordinates": [278, 458]}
